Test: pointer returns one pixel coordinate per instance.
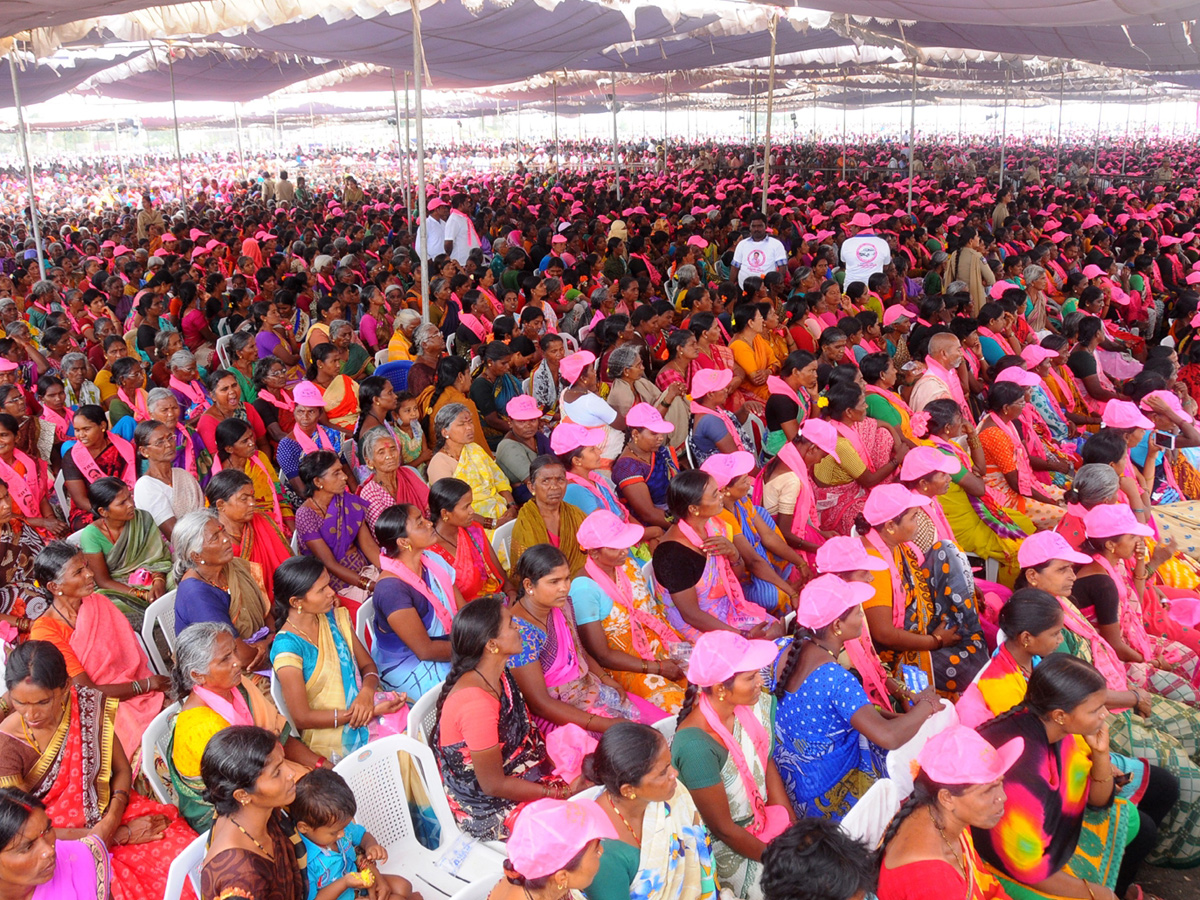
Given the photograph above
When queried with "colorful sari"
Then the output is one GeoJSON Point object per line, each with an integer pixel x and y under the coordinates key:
{"type": "Point", "coordinates": [264, 548]}
{"type": "Point", "coordinates": [530, 530]}
{"type": "Point", "coordinates": [82, 871]}
{"type": "Point", "coordinates": [341, 402]}
{"type": "Point", "coordinates": [862, 447]}
{"type": "Point", "coordinates": [338, 528]}
{"type": "Point", "coordinates": [270, 495]}
{"type": "Point", "coordinates": [410, 490]}
{"type": "Point", "coordinates": [477, 468]}
{"type": "Point", "coordinates": [927, 879]}
{"type": "Point", "coordinates": [753, 357]}
{"type": "Point", "coordinates": [400, 669]}
{"type": "Point", "coordinates": [72, 778]}
{"type": "Point", "coordinates": [138, 555]}
{"type": "Point", "coordinates": [110, 463]}
{"type": "Point", "coordinates": [656, 475]}
{"type": "Point", "coordinates": [758, 590]}
{"type": "Point", "coordinates": [239, 874]}
{"type": "Point", "coordinates": [331, 681]}
{"type": "Point", "coordinates": [1005, 452]}
{"type": "Point", "coordinates": [19, 547]}
{"type": "Point", "coordinates": [474, 575]}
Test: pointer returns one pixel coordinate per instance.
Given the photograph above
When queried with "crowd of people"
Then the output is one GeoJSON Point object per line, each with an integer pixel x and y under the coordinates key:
{"type": "Point", "coordinates": [665, 485]}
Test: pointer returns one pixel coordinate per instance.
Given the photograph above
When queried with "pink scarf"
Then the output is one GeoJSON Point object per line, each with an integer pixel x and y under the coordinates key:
{"type": "Point", "coordinates": [61, 426]}
{"type": "Point", "coordinates": [1132, 628]}
{"type": "Point", "coordinates": [308, 445]}
{"type": "Point", "coordinates": [768, 823]}
{"type": "Point", "coordinates": [594, 484]}
{"type": "Point", "coordinates": [953, 385]}
{"type": "Point", "coordinates": [1020, 454]}
{"type": "Point", "coordinates": [235, 713]}
{"type": "Point", "coordinates": [891, 397]}
{"type": "Point", "coordinates": [699, 410]}
{"type": "Point", "coordinates": [620, 591]}
{"type": "Point", "coordinates": [940, 523]}
{"type": "Point", "coordinates": [899, 594]}
{"type": "Point", "coordinates": [802, 515]}
{"type": "Point", "coordinates": [408, 576]}
{"type": "Point", "coordinates": [87, 464]}
{"type": "Point", "coordinates": [1104, 658]}
{"type": "Point", "coordinates": [28, 490]}
{"type": "Point", "coordinates": [472, 235]}
{"type": "Point", "coordinates": [256, 460]}
{"type": "Point", "coordinates": [192, 391]}
{"type": "Point", "coordinates": [850, 433]}
{"type": "Point", "coordinates": [497, 306]}
{"type": "Point", "coordinates": [728, 578]}
{"type": "Point", "coordinates": [284, 402]}
{"type": "Point", "coordinates": [478, 328]}
{"type": "Point", "coordinates": [137, 404]}
{"type": "Point", "coordinates": [777, 385]}
{"type": "Point", "coordinates": [655, 276]}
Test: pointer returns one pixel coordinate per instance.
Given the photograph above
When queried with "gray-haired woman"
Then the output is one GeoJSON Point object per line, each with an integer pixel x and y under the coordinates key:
{"type": "Point", "coordinates": [630, 386]}
{"type": "Point", "coordinates": [1037, 283]}
{"type": "Point", "coordinates": [215, 585]}
{"type": "Point", "coordinates": [358, 360]}
{"type": "Point", "coordinates": [186, 385]}
{"type": "Point", "coordinates": [390, 482]}
{"type": "Point", "coordinates": [190, 453]}
{"type": "Point", "coordinates": [457, 455]}
{"type": "Point", "coordinates": [80, 391]}
{"type": "Point", "coordinates": [214, 693]}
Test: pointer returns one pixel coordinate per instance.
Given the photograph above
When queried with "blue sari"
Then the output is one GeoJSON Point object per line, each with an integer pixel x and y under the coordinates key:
{"type": "Point", "coordinates": [400, 669]}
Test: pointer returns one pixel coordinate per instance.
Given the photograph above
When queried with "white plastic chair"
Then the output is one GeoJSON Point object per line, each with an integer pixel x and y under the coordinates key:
{"type": "Point", "coordinates": [186, 865]}
{"type": "Point", "coordinates": [569, 342]}
{"type": "Point", "coordinates": [502, 543]}
{"type": "Point", "coordinates": [423, 714]}
{"type": "Point", "coordinates": [450, 345]}
{"type": "Point", "coordinates": [381, 357]}
{"type": "Point", "coordinates": [476, 890]}
{"type": "Point", "coordinates": [60, 491]}
{"type": "Point", "coordinates": [161, 613]}
{"type": "Point", "coordinates": [154, 744]}
{"type": "Point", "coordinates": [73, 538]}
{"type": "Point", "coordinates": [364, 628]}
{"type": "Point", "coordinates": [223, 350]}
{"type": "Point", "coordinates": [375, 777]}
{"type": "Point", "coordinates": [280, 703]}
{"type": "Point", "coordinates": [526, 385]}
{"type": "Point", "coordinates": [666, 727]}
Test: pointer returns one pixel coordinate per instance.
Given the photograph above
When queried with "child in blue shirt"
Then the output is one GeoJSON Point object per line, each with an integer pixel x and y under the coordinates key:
{"type": "Point", "coordinates": [324, 811]}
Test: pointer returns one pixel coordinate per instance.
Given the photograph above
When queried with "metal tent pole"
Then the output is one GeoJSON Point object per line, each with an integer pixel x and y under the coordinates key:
{"type": "Point", "coordinates": [615, 159]}
{"type": "Point", "coordinates": [1062, 77]}
{"type": "Point", "coordinates": [766, 182]}
{"type": "Point", "coordinates": [666, 95]}
{"type": "Point", "coordinates": [400, 153]}
{"type": "Point", "coordinates": [422, 200]}
{"type": "Point", "coordinates": [518, 128]}
{"type": "Point", "coordinates": [912, 134]}
{"type": "Point", "coordinates": [175, 116]}
{"type": "Point", "coordinates": [117, 145]}
{"type": "Point", "coordinates": [845, 88]}
{"type": "Point", "coordinates": [1099, 125]}
{"type": "Point", "coordinates": [237, 125]}
{"type": "Point", "coordinates": [1125, 146]}
{"type": "Point", "coordinates": [34, 219]}
{"type": "Point", "coordinates": [408, 175]}
{"type": "Point", "coordinates": [557, 148]}
{"type": "Point", "coordinates": [1003, 131]}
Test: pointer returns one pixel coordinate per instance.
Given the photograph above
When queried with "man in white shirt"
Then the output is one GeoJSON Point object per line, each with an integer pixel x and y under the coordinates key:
{"type": "Point", "coordinates": [434, 229]}
{"type": "Point", "coordinates": [758, 254]}
{"type": "Point", "coordinates": [460, 236]}
{"type": "Point", "coordinates": [864, 253]}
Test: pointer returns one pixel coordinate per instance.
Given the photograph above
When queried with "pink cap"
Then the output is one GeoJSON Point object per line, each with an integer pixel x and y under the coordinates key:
{"type": "Point", "coordinates": [603, 529]}
{"type": "Point", "coordinates": [705, 381]}
{"type": "Point", "coordinates": [1092, 221]}
{"type": "Point", "coordinates": [826, 599]}
{"type": "Point", "coordinates": [523, 408]}
{"type": "Point", "coordinates": [728, 467]}
{"type": "Point", "coordinates": [1123, 414]}
{"type": "Point", "coordinates": [889, 501]}
{"type": "Point", "coordinates": [696, 241]}
{"type": "Point", "coordinates": [1035, 354]}
{"type": "Point", "coordinates": [643, 415]}
{"type": "Point", "coordinates": [1171, 401]}
{"type": "Point", "coordinates": [435, 203]}
{"type": "Point", "coordinates": [861, 220]}
{"type": "Point", "coordinates": [1017, 375]}
{"type": "Point", "coordinates": [1000, 287]}
{"type": "Point", "coordinates": [308, 394]}
{"type": "Point", "coordinates": [892, 313]}
{"type": "Point", "coordinates": [719, 655]}
{"type": "Point", "coordinates": [1043, 546]}
{"type": "Point", "coordinates": [922, 461]}
{"type": "Point", "coordinates": [1168, 240]}
{"type": "Point", "coordinates": [823, 434]}
{"type": "Point", "coordinates": [559, 239]}
{"type": "Point", "coordinates": [548, 832]}
{"type": "Point", "coordinates": [572, 366]}
{"type": "Point", "coordinates": [959, 755]}
{"type": "Point", "coordinates": [1192, 278]}
{"type": "Point", "coordinates": [568, 436]}
{"type": "Point", "coordinates": [1092, 271]}
{"type": "Point", "coordinates": [7, 365]}
{"type": "Point", "coordinates": [1113, 519]}
{"type": "Point", "coordinates": [846, 554]}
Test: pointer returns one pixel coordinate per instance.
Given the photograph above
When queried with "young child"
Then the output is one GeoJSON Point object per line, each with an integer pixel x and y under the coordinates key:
{"type": "Point", "coordinates": [414, 449]}
{"type": "Point", "coordinates": [339, 850]}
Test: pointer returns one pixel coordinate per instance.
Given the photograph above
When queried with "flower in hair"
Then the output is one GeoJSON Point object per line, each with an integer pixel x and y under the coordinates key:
{"type": "Point", "coordinates": [920, 424]}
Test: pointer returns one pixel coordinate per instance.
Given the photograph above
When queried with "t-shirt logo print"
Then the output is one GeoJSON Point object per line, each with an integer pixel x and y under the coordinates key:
{"type": "Point", "coordinates": [756, 259]}
{"type": "Point", "coordinates": [866, 254]}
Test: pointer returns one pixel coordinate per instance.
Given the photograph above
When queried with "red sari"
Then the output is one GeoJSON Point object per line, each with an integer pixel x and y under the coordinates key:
{"type": "Point", "coordinates": [264, 547]}
{"type": "Point", "coordinates": [72, 777]}
{"type": "Point", "coordinates": [474, 574]}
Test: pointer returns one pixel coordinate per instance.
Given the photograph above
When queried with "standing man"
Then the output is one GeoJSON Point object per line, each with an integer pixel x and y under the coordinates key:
{"type": "Point", "coordinates": [268, 187]}
{"type": "Point", "coordinates": [460, 237]}
{"type": "Point", "coordinates": [434, 229]}
{"type": "Point", "coordinates": [285, 191]}
{"type": "Point", "coordinates": [863, 253]}
{"type": "Point", "coordinates": [759, 253]}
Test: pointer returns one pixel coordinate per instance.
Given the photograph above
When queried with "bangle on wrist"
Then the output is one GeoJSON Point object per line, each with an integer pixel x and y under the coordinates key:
{"type": "Point", "coordinates": [336, 713]}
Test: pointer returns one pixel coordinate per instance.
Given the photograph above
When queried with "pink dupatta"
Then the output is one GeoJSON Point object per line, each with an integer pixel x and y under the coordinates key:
{"type": "Point", "coordinates": [1132, 628]}
{"type": "Point", "coordinates": [138, 404]}
{"type": "Point", "coordinates": [87, 464]}
{"type": "Point", "coordinates": [899, 595]}
{"type": "Point", "coordinates": [953, 385]}
{"type": "Point", "coordinates": [27, 491]}
{"type": "Point", "coordinates": [699, 410]}
{"type": "Point", "coordinates": [620, 591]}
{"type": "Point", "coordinates": [235, 713]}
{"type": "Point", "coordinates": [404, 573]}
{"type": "Point", "coordinates": [733, 587]}
{"type": "Point", "coordinates": [308, 445]}
{"type": "Point", "coordinates": [1025, 475]}
{"type": "Point", "coordinates": [850, 433]}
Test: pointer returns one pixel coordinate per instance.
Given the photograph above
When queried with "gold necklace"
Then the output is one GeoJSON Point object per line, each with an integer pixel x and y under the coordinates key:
{"type": "Point", "coordinates": [953, 853]}
{"type": "Point", "coordinates": [624, 821]}
{"type": "Point", "coordinates": [269, 856]}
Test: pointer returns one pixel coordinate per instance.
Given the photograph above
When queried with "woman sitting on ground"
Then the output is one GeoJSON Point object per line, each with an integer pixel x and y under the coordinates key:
{"type": "Point", "coordinates": [460, 541]}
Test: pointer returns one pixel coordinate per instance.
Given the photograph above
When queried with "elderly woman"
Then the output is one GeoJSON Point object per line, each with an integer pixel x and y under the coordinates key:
{"type": "Point", "coordinates": [428, 345]}
{"type": "Point", "coordinates": [457, 455]}
{"type": "Point", "coordinates": [328, 679]}
{"type": "Point", "coordinates": [190, 453]}
{"type": "Point", "coordinates": [630, 386]}
{"type": "Point", "coordinates": [165, 492]}
{"type": "Point", "coordinates": [255, 536]}
{"type": "Point", "coordinates": [80, 391]}
{"type": "Point", "coordinates": [389, 482]}
{"type": "Point", "coordinates": [1038, 308]}
{"type": "Point", "coordinates": [460, 541]}
{"type": "Point", "coordinates": [358, 361]}
{"type": "Point", "coordinates": [186, 385]}
{"type": "Point", "coordinates": [401, 346]}
{"type": "Point", "coordinates": [214, 694]}
{"type": "Point", "coordinates": [227, 404]}
{"type": "Point", "coordinates": [96, 454]}
{"type": "Point", "coordinates": [273, 401]}
{"type": "Point", "coordinates": [60, 747]}
{"type": "Point", "coordinates": [216, 586]}
{"type": "Point", "coordinates": [548, 519]}
{"type": "Point", "coordinates": [331, 525]}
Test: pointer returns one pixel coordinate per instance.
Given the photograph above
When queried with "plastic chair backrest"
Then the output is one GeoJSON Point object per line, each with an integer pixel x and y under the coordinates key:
{"type": "Point", "coordinates": [364, 628]}
{"type": "Point", "coordinates": [396, 372]}
{"type": "Point", "coordinates": [569, 342]}
{"type": "Point", "coordinates": [60, 491]}
{"type": "Point", "coordinates": [154, 744]}
{"type": "Point", "coordinates": [381, 357]}
{"type": "Point", "coordinates": [423, 714]}
{"type": "Point", "coordinates": [223, 350]}
{"type": "Point", "coordinates": [73, 538]}
{"type": "Point", "coordinates": [280, 703]}
{"type": "Point", "coordinates": [186, 865]}
{"type": "Point", "coordinates": [502, 543]}
{"type": "Point", "coordinates": [666, 727]}
{"type": "Point", "coordinates": [161, 613]}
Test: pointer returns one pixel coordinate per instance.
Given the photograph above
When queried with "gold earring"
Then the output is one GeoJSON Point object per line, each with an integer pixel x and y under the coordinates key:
{"type": "Point", "coordinates": [633, 795]}
{"type": "Point", "coordinates": [837, 629]}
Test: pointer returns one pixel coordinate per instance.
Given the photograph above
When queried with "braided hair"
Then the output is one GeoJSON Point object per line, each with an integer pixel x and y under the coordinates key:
{"type": "Point", "coordinates": [475, 624]}
{"type": "Point", "coordinates": [693, 694]}
{"type": "Point", "coordinates": [925, 793]}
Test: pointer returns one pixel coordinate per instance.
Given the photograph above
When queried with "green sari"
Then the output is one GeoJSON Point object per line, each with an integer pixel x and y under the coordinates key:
{"type": "Point", "coordinates": [139, 554]}
{"type": "Point", "coordinates": [356, 355]}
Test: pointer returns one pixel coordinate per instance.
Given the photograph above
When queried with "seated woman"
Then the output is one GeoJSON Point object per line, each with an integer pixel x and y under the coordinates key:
{"type": "Point", "coordinates": [324, 670]}
{"type": "Point", "coordinates": [578, 449]}
{"type": "Point", "coordinates": [244, 774]}
{"type": "Point", "coordinates": [981, 527]}
{"type": "Point", "coordinates": [784, 486]}
{"type": "Point", "coordinates": [621, 624]}
{"type": "Point", "coordinates": [255, 536]}
{"type": "Point", "coordinates": [928, 850]}
{"type": "Point", "coordinates": [630, 387]}
{"type": "Point", "coordinates": [332, 526]}
{"type": "Point", "coordinates": [914, 605]}
{"type": "Point", "coordinates": [216, 586]}
{"type": "Point", "coordinates": [129, 406]}
{"type": "Point", "coordinates": [565, 865]}
{"type": "Point", "coordinates": [1009, 475]}
{"type": "Point", "coordinates": [187, 386]}
{"type": "Point", "coordinates": [214, 694]}
{"type": "Point", "coordinates": [547, 519]}
{"type": "Point", "coordinates": [125, 551]}
{"type": "Point", "coordinates": [669, 856]}
{"type": "Point", "coordinates": [451, 387]}
{"type": "Point", "coordinates": [561, 681]}
{"type": "Point", "coordinates": [377, 404]}
{"type": "Point", "coordinates": [20, 600]}
{"type": "Point", "coordinates": [83, 774]}
{"type": "Point", "coordinates": [99, 645]}
{"type": "Point", "coordinates": [830, 738]}
{"type": "Point", "coordinates": [227, 404]}
{"type": "Point", "coordinates": [723, 751]}
{"type": "Point", "coordinates": [714, 428]}
{"type": "Point", "coordinates": [308, 435]}
{"type": "Point", "coordinates": [415, 602]}
{"type": "Point", "coordinates": [242, 353]}
{"type": "Point", "coordinates": [95, 454]}
{"type": "Point", "coordinates": [274, 402]}
{"type": "Point", "coordinates": [1062, 722]}
{"type": "Point", "coordinates": [772, 567]}
{"type": "Point", "coordinates": [79, 389]}
{"type": "Point", "coordinates": [460, 541]}
{"type": "Point", "coordinates": [339, 392]}
{"type": "Point", "coordinates": [165, 492]}
{"type": "Point", "coordinates": [190, 453]}
{"type": "Point", "coordinates": [698, 568]}
{"type": "Point", "coordinates": [644, 470]}
{"type": "Point", "coordinates": [869, 452]}
{"type": "Point", "coordinates": [491, 755]}
{"type": "Point", "coordinates": [457, 455]}
{"type": "Point", "coordinates": [76, 869]}
{"type": "Point", "coordinates": [238, 450]}
{"type": "Point", "coordinates": [28, 480]}
{"type": "Point", "coordinates": [388, 482]}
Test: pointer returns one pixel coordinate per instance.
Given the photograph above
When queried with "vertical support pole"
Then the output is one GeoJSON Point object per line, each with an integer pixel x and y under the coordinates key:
{"type": "Point", "coordinates": [1099, 125]}
{"type": "Point", "coordinates": [1004, 130]}
{"type": "Point", "coordinates": [401, 150]}
{"type": "Point", "coordinates": [766, 182]}
{"type": "Point", "coordinates": [912, 133]}
{"type": "Point", "coordinates": [422, 200]}
{"type": "Point", "coordinates": [557, 148]}
{"type": "Point", "coordinates": [237, 125]}
{"type": "Point", "coordinates": [117, 146]}
{"type": "Point", "coordinates": [1062, 77]}
{"type": "Point", "coordinates": [175, 116]}
{"type": "Point", "coordinates": [34, 219]}
{"type": "Point", "coordinates": [408, 174]}
{"type": "Point", "coordinates": [1128, 115]}
{"type": "Point", "coordinates": [518, 128]}
{"type": "Point", "coordinates": [615, 155]}
{"type": "Point", "coordinates": [845, 88]}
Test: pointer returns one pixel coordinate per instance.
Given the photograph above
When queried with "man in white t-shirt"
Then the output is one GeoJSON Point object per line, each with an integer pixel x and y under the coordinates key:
{"type": "Point", "coordinates": [460, 230]}
{"type": "Point", "coordinates": [759, 253]}
{"type": "Point", "coordinates": [435, 234]}
{"type": "Point", "coordinates": [864, 253]}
